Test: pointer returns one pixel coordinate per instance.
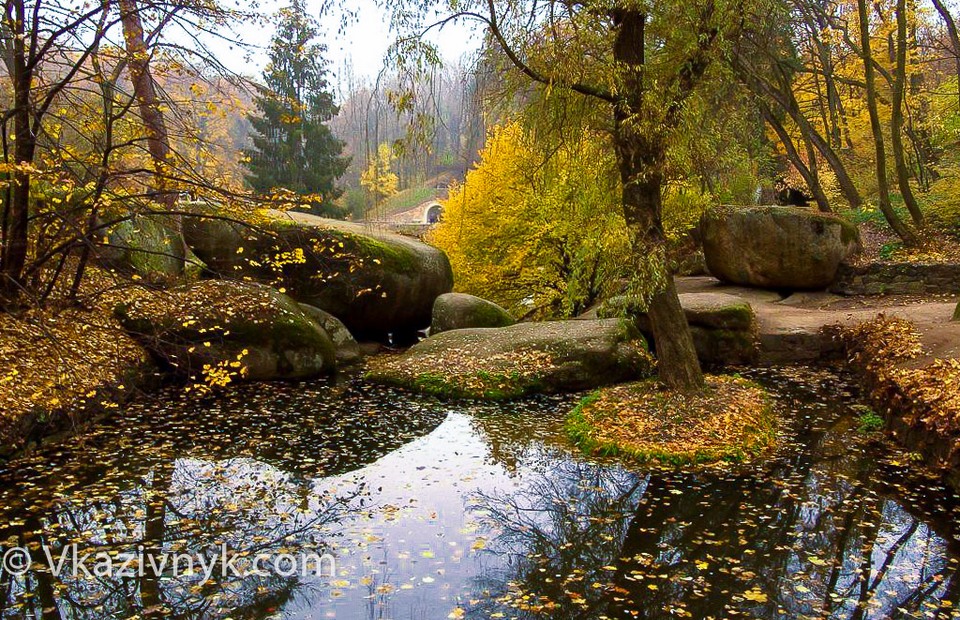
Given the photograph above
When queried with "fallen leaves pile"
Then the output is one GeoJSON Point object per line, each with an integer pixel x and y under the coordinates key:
{"type": "Point", "coordinates": [463, 373]}
{"type": "Point", "coordinates": [927, 395]}
{"type": "Point", "coordinates": [730, 420]}
{"type": "Point", "coordinates": [53, 362]}
{"type": "Point", "coordinates": [209, 305]}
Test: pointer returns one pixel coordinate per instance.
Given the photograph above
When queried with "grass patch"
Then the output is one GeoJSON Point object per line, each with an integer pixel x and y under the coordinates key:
{"type": "Point", "coordinates": [868, 421]}
{"type": "Point", "coordinates": [732, 420]}
{"type": "Point", "coordinates": [406, 200]}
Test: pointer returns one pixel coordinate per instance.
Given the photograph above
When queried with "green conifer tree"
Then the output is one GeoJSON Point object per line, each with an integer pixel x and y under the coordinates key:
{"type": "Point", "coordinates": [292, 146]}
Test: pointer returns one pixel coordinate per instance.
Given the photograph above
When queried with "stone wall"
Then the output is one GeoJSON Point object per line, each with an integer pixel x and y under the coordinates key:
{"type": "Point", "coordinates": [897, 279]}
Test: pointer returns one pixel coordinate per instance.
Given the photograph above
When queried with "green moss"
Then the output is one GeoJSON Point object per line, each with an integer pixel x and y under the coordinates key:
{"type": "Point", "coordinates": [849, 233]}
{"type": "Point", "coordinates": [352, 246]}
{"type": "Point", "coordinates": [481, 386]}
{"type": "Point", "coordinates": [583, 433]}
{"type": "Point", "coordinates": [868, 421]}
{"type": "Point", "coordinates": [578, 429]}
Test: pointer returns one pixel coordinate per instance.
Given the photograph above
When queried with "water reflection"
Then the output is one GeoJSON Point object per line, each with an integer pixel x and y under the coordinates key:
{"type": "Point", "coordinates": [434, 511]}
{"type": "Point", "coordinates": [815, 534]}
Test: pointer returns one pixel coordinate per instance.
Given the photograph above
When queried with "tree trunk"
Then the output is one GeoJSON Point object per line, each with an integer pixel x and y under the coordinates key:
{"type": "Point", "coordinates": [15, 234]}
{"type": "Point", "coordinates": [677, 361]}
{"type": "Point", "coordinates": [896, 119]}
{"type": "Point", "coordinates": [812, 180]}
{"type": "Point", "coordinates": [785, 99]}
{"type": "Point", "coordinates": [951, 25]}
{"type": "Point", "coordinates": [145, 90]}
{"type": "Point", "coordinates": [641, 153]}
{"type": "Point", "coordinates": [158, 139]}
{"type": "Point", "coordinates": [881, 159]}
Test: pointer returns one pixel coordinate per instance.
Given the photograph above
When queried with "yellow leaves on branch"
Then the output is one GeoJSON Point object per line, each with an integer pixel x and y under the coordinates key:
{"type": "Point", "coordinates": [379, 178]}
{"type": "Point", "coordinates": [535, 224]}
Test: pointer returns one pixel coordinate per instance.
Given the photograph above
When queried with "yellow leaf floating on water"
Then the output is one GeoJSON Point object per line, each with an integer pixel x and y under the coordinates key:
{"type": "Point", "coordinates": [457, 613]}
{"type": "Point", "coordinates": [755, 595]}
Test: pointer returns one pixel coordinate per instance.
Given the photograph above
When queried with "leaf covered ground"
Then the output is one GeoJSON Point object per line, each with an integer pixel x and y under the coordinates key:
{"type": "Point", "coordinates": [889, 354]}
{"type": "Point", "coordinates": [460, 374]}
{"type": "Point", "coordinates": [56, 361]}
{"type": "Point", "coordinates": [731, 420]}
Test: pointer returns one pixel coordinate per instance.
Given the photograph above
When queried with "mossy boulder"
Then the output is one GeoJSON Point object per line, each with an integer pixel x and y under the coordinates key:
{"type": "Point", "coordinates": [217, 328]}
{"type": "Point", "coordinates": [723, 326]}
{"type": "Point", "coordinates": [781, 248]}
{"type": "Point", "coordinates": [522, 359]}
{"type": "Point", "coordinates": [462, 311]}
{"type": "Point", "coordinates": [718, 311]}
{"type": "Point", "coordinates": [732, 419]}
{"type": "Point", "coordinates": [149, 246]}
{"type": "Point", "coordinates": [378, 283]}
{"type": "Point", "coordinates": [348, 350]}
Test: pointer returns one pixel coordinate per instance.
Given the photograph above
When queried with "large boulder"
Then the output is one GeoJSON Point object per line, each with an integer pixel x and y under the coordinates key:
{"type": "Point", "coordinates": [216, 328]}
{"type": "Point", "coordinates": [378, 283]}
{"type": "Point", "coordinates": [148, 246]}
{"type": "Point", "coordinates": [462, 311]}
{"type": "Point", "coordinates": [723, 326]}
{"type": "Point", "coordinates": [526, 358]}
{"type": "Point", "coordinates": [782, 248]}
{"type": "Point", "coordinates": [347, 349]}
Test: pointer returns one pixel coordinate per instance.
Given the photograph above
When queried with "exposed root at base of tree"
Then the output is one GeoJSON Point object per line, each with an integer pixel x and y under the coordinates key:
{"type": "Point", "coordinates": [731, 420]}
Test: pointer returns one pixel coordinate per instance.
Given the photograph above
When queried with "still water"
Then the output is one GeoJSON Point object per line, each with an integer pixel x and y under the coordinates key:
{"type": "Point", "coordinates": [435, 510]}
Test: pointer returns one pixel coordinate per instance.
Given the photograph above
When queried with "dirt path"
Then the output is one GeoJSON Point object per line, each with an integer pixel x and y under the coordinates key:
{"type": "Point", "coordinates": [790, 327]}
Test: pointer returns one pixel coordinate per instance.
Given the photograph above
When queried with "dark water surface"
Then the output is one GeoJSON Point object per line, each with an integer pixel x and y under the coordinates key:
{"type": "Point", "coordinates": [436, 511]}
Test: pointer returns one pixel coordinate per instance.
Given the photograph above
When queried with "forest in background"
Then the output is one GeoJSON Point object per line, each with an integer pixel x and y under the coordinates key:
{"type": "Point", "coordinates": [116, 110]}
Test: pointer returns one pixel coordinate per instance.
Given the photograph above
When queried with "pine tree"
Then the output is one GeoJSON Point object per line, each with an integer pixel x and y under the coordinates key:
{"type": "Point", "coordinates": [292, 146]}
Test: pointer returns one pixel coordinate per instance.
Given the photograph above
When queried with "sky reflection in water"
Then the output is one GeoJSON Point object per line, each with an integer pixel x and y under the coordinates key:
{"type": "Point", "coordinates": [437, 510]}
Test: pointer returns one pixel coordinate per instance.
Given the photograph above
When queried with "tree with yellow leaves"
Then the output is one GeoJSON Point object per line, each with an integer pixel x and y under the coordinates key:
{"type": "Point", "coordinates": [536, 226]}
{"type": "Point", "coordinates": [379, 178]}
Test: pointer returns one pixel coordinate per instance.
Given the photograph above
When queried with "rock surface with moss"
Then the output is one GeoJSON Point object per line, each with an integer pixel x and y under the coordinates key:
{"type": "Point", "coordinates": [462, 311]}
{"type": "Point", "coordinates": [149, 246]}
{"type": "Point", "coordinates": [781, 248]}
{"type": "Point", "coordinates": [731, 420]}
{"type": "Point", "coordinates": [347, 349]}
{"type": "Point", "coordinates": [219, 331]}
{"type": "Point", "coordinates": [723, 326]}
{"type": "Point", "coordinates": [377, 283]}
{"type": "Point", "coordinates": [522, 359]}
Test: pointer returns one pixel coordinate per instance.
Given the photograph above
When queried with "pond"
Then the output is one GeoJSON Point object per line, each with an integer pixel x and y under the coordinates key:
{"type": "Point", "coordinates": [427, 510]}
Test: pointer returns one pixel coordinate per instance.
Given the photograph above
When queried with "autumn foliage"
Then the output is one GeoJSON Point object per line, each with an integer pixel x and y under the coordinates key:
{"type": "Point", "coordinates": [924, 394]}
{"type": "Point", "coordinates": [731, 420]}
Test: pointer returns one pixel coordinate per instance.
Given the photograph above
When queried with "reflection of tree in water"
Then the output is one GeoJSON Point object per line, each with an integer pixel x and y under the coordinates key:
{"type": "Point", "coordinates": [187, 507]}
{"type": "Point", "coordinates": [185, 477]}
{"type": "Point", "coordinates": [557, 537]}
{"type": "Point", "coordinates": [816, 535]}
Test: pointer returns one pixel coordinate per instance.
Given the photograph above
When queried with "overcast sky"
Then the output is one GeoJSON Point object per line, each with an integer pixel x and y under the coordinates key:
{"type": "Point", "coordinates": [363, 46]}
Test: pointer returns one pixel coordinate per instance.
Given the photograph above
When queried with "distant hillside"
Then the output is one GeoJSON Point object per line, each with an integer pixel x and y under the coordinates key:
{"type": "Point", "coordinates": [434, 188]}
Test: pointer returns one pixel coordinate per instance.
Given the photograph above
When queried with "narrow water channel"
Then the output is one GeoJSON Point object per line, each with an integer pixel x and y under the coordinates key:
{"type": "Point", "coordinates": [427, 510]}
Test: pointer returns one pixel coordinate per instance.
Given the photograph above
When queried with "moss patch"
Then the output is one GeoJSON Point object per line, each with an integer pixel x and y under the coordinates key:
{"type": "Point", "coordinates": [732, 420]}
